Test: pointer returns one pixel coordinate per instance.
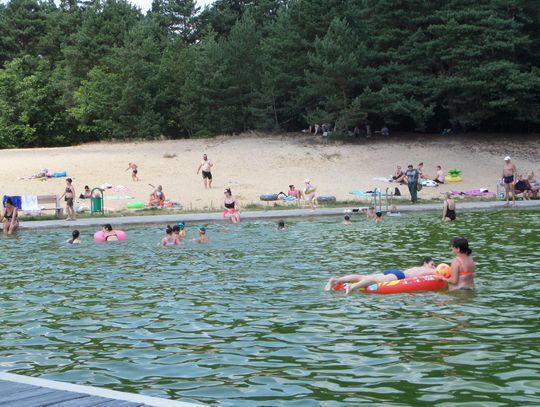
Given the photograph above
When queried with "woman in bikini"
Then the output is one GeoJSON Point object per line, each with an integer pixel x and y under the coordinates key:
{"type": "Point", "coordinates": [10, 217]}
{"type": "Point", "coordinates": [449, 208]}
{"type": "Point", "coordinates": [170, 239]}
{"type": "Point", "coordinates": [109, 233]}
{"type": "Point", "coordinates": [69, 195]}
{"type": "Point", "coordinates": [230, 208]}
{"type": "Point", "coordinates": [463, 266]}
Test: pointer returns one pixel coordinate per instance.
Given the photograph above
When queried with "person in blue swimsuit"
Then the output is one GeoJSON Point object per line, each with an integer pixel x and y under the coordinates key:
{"type": "Point", "coordinates": [356, 281]}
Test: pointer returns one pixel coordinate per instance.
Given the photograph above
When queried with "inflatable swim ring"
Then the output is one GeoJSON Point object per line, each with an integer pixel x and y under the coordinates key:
{"type": "Point", "coordinates": [99, 237]}
{"type": "Point", "coordinates": [407, 285]}
{"type": "Point", "coordinates": [326, 199]}
{"type": "Point", "coordinates": [269, 197]}
{"type": "Point", "coordinates": [135, 205]}
{"type": "Point", "coordinates": [309, 191]}
{"type": "Point", "coordinates": [449, 178]}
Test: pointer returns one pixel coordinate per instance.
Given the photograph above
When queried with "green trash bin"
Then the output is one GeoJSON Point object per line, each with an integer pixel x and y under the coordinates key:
{"type": "Point", "coordinates": [96, 204]}
{"type": "Point", "coordinates": [96, 201]}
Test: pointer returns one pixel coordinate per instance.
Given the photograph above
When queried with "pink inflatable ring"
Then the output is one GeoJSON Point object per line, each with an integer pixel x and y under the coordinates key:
{"type": "Point", "coordinates": [100, 237]}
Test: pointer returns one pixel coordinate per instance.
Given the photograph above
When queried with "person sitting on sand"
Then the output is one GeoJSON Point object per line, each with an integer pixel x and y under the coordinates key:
{"type": "Point", "coordinates": [535, 185]}
{"type": "Point", "coordinates": [74, 238]}
{"type": "Point", "coordinates": [523, 186]}
{"type": "Point", "coordinates": [230, 207]}
{"type": "Point", "coordinates": [356, 281]}
{"type": "Point", "coordinates": [296, 193]}
{"type": "Point", "coordinates": [134, 171]}
{"type": "Point", "coordinates": [203, 237]}
{"type": "Point", "coordinates": [463, 266]}
{"type": "Point", "coordinates": [109, 233]}
{"type": "Point", "coordinates": [399, 176]}
{"type": "Point", "coordinates": [439, 177]}
{"type": "Point", "coordinates": [170, 238]}
{"type": "Point", "coordinates": [449, 208]}
{"type": "Point", "coordinates": [420, 170]}
{"type": "Point", "coordinates": [157, 197]}
{"type": "Point", "coordinates": [309, 193]}
{"type": "Point", "coordinates": [10, 218]}
{"type": "Point", "coordinates": [346, 220]}
{"type": "Point", "coordinates": [86, 193]}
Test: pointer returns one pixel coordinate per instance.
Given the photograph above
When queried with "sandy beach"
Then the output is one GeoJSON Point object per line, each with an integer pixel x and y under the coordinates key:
{"type": "Point", "coordinates": [255, 164]}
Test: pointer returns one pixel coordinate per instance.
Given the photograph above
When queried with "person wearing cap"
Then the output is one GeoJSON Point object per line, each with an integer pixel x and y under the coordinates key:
{"type": "Point", "coordinates": [508, 174]}
{"type": "Point", "coordinates": [309, 193]}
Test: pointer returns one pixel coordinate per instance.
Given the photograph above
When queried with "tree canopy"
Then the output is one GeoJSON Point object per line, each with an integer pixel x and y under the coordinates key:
{"type": "Point", "coordinates": [99, 69]}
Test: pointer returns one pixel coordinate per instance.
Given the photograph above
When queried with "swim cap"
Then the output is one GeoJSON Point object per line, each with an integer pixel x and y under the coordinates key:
{"type": "Point", "coordinates": [443, 270]}
{"type": "Point", "coordinates": [180, 225]}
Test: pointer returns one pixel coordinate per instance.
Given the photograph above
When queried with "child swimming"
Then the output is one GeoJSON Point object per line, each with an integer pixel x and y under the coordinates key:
{"type": "Point", "coordinates": [170, 239]}
{"type": "Point", "coordinates": [74, 238]}
{"type": "Point", "coordinates": [203, 238]}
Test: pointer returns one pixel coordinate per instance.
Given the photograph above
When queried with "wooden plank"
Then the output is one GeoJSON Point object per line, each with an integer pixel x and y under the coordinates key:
{"type": "Point", "coordinates": [91, 401]}
{"type": "Point", "coordinates": [49, 399]}
{"type": "Point", "coordinates": [23, 395]}
{"type": "Point", "coordinates": [12, 387]}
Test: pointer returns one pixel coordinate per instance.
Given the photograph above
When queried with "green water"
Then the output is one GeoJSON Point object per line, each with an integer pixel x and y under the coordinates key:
{"type": "Point", "coordinates": [244, 321]}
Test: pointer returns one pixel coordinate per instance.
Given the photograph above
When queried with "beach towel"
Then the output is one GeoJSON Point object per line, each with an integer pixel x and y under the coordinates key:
{"type": "Point", "coordinates": [29, 203]}
{"type": "Point", "coordinates": [366, 194]}
{"type": "Point", "coordinates": [429, 183]}
{"type": "Point", "coordinates": [117, 198]}
{"type": "Point", "coordinates": [473, 192]}
{"type": "Point", "coordinates": [119, 188]}
{"type": "Point", "coordinates": [384, 179]}
{"type": "Point", "coordinates": [15, 199]}
{"type": "Point", "coordinates": [58, 174]}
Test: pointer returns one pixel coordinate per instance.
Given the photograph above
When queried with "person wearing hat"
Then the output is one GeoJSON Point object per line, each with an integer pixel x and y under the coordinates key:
{"type": "Point", "coordinates": [508, 174]}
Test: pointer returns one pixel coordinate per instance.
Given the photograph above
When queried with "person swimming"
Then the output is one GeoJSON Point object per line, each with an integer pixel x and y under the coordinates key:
{"type": "Point", "coordinates": [74, 238]}
{"type": "Point", "coordinates": [281, 225]}
{"type": "Point", "coordinates": [203, 237]}
{"type": "Point", "coordinates": [170, 238]}
{"type": "Point", "coordinates": [449, 208]}
{"type": "Point", "coordinates": [346, 220]}
{"type": "Point", "coordinates": [108, 233]}
{"type": "Point", "coordinates": [180, 230]}
{"type": "Point", "coordinates": [378, 217]}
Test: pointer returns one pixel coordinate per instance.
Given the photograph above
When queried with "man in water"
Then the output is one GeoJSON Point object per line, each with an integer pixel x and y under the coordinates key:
{"type": "Point", "coordinates": [206, 167]}
{"type": "Point", "coordinates": [508, 174]}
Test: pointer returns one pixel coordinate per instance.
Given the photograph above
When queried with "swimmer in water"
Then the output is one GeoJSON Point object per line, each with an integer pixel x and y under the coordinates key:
{"type": "Point", "coordinates": [346, 220]}
{"type": "Point", "coordinates": [360, 281]}
{"type": "Point", "coordinates": [378, 217]}
{"type": "Point", "coordinates": [108, 233]}
{"type": "Point", "coordinates": [370, 214]}
{"type": "Point", "coordinates": [181, 229]}
{"type": "Point", "coordinates": [170, 238]}
{"type": "Point", "coordinates": [463, 266]}
{"type": "Point", "coordinates": [203, 237]}
{"type": "Point", "coordinates": [281, 225]}
{"type": "Point", "coordinates": [74, 238]}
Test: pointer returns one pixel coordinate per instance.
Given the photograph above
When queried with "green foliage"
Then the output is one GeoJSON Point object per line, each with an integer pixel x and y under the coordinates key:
{"type": "Point", "coordinates": [73, 72]}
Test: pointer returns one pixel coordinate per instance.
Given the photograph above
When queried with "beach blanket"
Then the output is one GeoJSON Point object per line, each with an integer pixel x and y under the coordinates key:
{"type": "Point", "coordinates": [117, 198]}
{"type": "Point", "coordinates": [15, 199]}
{"type": "Point", "coordinates": [119, 188]}
{"type": "Point", "coordinates": [474, 192]}
{"type": "Point", "coordinates": [366, 194]}
{"type": "Point", "coordinates": [58, 174]}
{"type": "Point", "coordinates": [384, 179]}
{"type": "Point", "coordinates": [29, 203]}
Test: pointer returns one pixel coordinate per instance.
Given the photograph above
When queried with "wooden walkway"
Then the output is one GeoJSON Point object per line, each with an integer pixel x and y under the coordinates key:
{"type": "Point", "coordinates": [24, 391]}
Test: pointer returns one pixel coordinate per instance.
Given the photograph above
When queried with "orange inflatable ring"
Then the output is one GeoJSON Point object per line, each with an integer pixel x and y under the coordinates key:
{"type": "Point", "coordinates": [407, 285]}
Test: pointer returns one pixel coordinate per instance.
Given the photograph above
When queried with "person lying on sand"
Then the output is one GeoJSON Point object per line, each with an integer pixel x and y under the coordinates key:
{"type": "Point", "coordinates": [43, 175]}
{"type": "Point", "coordinates": [356, 281]}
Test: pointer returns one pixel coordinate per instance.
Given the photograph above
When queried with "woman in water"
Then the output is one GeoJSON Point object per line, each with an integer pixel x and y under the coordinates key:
{"type": "Point", "coordinates": [170, 239]}
{"type": "Point", "coordinates": [109, 234]}
{"type": "Point", "coordinates": [69, 195]}
{"type": "Point", "coordinates": [203, 237]}
{"type": "Point", "coordinates": [10, 217]}
{"type": "Point", "coordinates": [74, 238]}
{"type": "Point", "coordinates": [230, 207]}
{"type": "Point", "coordinates": [463, 266]}
{"type": "Point", "coordinates": [309, 193]}
{"type": "Point", "coordinates": [180, 230]}
{"type": "Point", "coordinates": [449, 208]}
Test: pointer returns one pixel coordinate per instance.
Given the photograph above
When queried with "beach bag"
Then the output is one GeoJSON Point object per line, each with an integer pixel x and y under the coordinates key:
{"type": "Point", "coordinates": [418, 186]}
{"type": "Point", "coordinates": [397, 192]}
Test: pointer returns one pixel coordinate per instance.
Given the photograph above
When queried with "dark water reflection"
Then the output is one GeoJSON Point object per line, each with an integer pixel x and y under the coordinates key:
{"type": "Point", "coordinates": [244, 321]}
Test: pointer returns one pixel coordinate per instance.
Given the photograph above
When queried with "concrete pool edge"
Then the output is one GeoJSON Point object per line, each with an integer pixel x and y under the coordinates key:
{"type": "Point", "coordinates": [113, 395]}
{"type": "Point", "coordinates": [270, 214]}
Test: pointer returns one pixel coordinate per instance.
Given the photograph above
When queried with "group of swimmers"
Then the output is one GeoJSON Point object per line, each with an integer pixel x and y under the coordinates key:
{"type": "Point", "coordinates": [461, 276]}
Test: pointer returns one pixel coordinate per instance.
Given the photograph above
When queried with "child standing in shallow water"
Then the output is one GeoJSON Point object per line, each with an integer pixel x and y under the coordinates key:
{"type": "Point", "coordinates": [203, 238]}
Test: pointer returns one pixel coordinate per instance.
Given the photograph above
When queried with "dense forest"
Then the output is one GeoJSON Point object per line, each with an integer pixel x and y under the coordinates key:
{"type": "Point", "coordinates": [93, 70]}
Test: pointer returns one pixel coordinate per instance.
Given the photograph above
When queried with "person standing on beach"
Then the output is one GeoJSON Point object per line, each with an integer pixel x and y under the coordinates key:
{"type": "Point", "coordinates": [206, 167]}
{"type": "Point", "coordinates": [309, 193]}
{"type": "Point", "coordinates": [134, 171]}
{"type": "Point", "coordinates": [412, 182]}
{"type": "Point", "coordinates": [69, 196]}
{"type": "Point", "coordinates": [508, 174]}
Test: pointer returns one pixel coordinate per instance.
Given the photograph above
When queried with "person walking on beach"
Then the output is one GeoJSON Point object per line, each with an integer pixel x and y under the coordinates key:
{"type": "Point", "coordinates": [309, 193]}
{"type": "Point", "coordinates": [508, 174]}
{"type": "Point", "coordinates": [412, 182]}
{"type": "Point", "coordinates": [134, 171]}
{"type": "Point", "coordinates": [69, 196]}
{"type": "Point", "coordinates": [206, 167]}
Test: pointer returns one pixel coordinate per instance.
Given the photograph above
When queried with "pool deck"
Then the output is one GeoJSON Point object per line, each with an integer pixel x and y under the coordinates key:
{"type": "Point", "coordinates": [24, 391]}
{"type": "Point", "coordinates": [199, 218]}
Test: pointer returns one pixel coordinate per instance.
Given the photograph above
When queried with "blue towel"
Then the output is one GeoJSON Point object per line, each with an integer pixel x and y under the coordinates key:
{"type": "Point", "coordinates": [16, 200]}
{"type": "Point", "coordinates": [58, 174]}
{"type": "Point", "coordinates": [360, 193]}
